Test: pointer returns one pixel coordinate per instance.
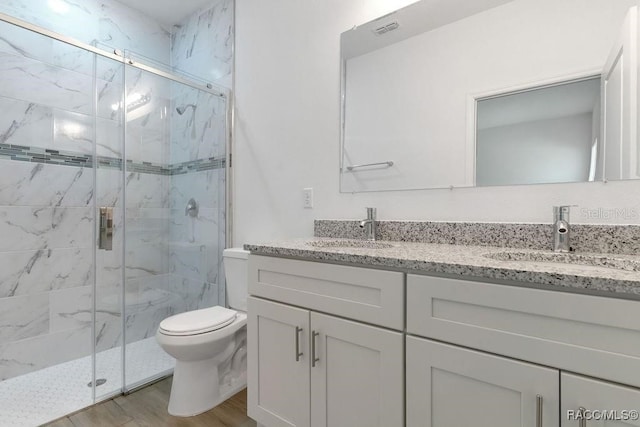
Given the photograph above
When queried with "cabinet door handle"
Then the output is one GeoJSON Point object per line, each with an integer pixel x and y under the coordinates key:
{"type": "Point", "coordinates": [538, 411]}
{"type": "Point", "coordinates": [298, 352]}
{"type": "Point", "coordinates": [314, 359]}
{"type": "Point", "coordinates": [583, 420]}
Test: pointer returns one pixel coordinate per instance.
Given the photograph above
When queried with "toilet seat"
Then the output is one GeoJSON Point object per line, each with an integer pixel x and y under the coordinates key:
{"type": "Point", "coordinates": [198, 321]}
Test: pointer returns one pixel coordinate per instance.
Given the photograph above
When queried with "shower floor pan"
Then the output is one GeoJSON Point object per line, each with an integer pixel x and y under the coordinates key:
{"type": "Point", "coordinates": [39, 397]}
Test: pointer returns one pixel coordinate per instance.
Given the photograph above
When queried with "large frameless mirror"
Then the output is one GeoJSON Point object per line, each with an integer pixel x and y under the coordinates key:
{"type": "Point", "coordinates": [491, 92]}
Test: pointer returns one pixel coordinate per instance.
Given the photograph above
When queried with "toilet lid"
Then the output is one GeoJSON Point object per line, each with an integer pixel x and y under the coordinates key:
{"type": "Point", "coordinates": [198, 321]}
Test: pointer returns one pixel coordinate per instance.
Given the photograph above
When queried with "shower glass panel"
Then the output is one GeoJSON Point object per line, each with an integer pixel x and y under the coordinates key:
{"type": "Point", "coordinates": [175, 153]}
{"type": "Point", "coordinates": [81, 132]}
{"type": "Point", "coordinates": [108, 336]}
{"type": "Point", "coordinates": [54, 107]}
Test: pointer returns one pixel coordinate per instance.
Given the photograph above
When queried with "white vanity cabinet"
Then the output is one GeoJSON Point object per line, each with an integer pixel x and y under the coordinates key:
{"type": "Point", "coordinates": [308, 368]}
{"type": "Point", "coordinates": [449, 386]}
{"type": "Point", "coordinates": [507, 352]}
{"type": "Point", "coordinates": [594, 397]}
{"type": "Point", "coordinates": [328, 347]}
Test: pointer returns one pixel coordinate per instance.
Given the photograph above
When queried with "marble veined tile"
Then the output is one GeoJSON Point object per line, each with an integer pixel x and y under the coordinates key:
{"type": "Point", "coordinates": [32, 354]}
{"type": "Point", "coordinates": [72, 132]}
{"type": "Point", "coordinates": [26, 228]}
{"type": "Point", "coordinates": [126, 28]}
{"type": "Point", "coordinates": [200, 132]}
{"type": "Point", "coordinates": [24, 317]}
{"type": "Point", "coordinates": [202, 186]}
{"type": "Point", "coordinates": [19, 41]}
{"type": "Point", "coordinates": [146, 260]}
{"type": "Point", "coordinates": [108, 317]}
{"type": "Point", "coordinates": [202, 230]}
{"type": "Point", "coordinates": [71, 308]}
{"type": "Point", "coordinates": [196, 294]}
{"type": "Point", "coordinates": [47, 84]}
{"type": "Point", "coordinates": [108, 22]}
{"type": "Point", "coordinates": [31, 272]}
{"type": "Point", "coordinates": [25, 123]}
{"type": "Point", "coordinates": [39, 184]}
{"type": "Point", "coordinates": [147, 190]}
{"type": "Point", "coordinates": [202, 45]}
{"type": "Point", "coordinates": [109, 187]}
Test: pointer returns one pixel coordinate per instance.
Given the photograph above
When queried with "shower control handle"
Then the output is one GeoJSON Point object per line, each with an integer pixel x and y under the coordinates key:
{"type": "Point", "coordinates": [105, 237]}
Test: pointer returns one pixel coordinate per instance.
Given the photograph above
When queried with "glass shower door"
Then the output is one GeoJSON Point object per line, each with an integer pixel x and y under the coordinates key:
{"type": "Point", "coordinates": [175, 157]}
{"type": "Point", "coordinates": [55, 104]}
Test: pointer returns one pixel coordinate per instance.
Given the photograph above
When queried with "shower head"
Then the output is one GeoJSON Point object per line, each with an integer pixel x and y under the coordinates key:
{"type": "Point", "coordinates": [181, 109]}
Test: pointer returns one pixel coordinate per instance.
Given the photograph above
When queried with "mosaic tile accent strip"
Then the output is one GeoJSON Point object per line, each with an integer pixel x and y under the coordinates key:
{"type": "Point", "coordinates": [198, 165]}
{"type": "Point", "coordinates": [615, 239]}
{"type": "Point", "coordinates": [25, 153]}
{"type": "Point", "coordinates": [41, 155]}
{"type": "Point", "coordinates": [147, 167]}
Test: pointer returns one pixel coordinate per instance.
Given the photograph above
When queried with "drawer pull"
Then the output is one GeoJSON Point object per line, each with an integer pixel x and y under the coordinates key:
{"type": "Point", "coordinates": [538, 411]}
{"type": "Point", "coordinates": [298, 352]}
{"type": "Point", "coordinates": [583, 421]}
{"type": "Point", "coordinates": [314, 359]}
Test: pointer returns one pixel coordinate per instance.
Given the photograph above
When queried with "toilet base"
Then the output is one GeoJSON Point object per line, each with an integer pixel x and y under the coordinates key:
{"type": "Point", "coordinates": [196, 388]}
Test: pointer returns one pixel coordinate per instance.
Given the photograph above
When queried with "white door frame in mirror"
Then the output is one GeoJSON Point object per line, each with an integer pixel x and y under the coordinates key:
{"type": "Point", "coordinates": [472, 109]}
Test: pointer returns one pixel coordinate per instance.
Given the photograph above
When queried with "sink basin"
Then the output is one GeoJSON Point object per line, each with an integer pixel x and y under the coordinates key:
{"type": "Point", "coordinates": [364, 244]}
{"type": "Point", "coordinates": [599, 261]}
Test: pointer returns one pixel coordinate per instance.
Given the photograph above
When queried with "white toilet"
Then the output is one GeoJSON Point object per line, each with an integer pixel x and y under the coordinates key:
{"type": "Point", "coordinates": [209, 345]}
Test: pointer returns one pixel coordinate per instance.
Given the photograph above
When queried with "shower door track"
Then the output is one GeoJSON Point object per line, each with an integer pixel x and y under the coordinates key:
{"type": "Point", "coordinates": [115, 55]}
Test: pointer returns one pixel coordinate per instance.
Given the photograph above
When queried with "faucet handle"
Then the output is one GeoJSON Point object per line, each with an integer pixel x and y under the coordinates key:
{"type": "Point", "coordinates": [562, 210]}
{"type": "Point", "coordinates": [371, 213]}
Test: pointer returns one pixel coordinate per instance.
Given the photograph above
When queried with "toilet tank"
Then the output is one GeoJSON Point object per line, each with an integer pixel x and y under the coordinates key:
{"type": "Point", "coordinates": [235, 272]}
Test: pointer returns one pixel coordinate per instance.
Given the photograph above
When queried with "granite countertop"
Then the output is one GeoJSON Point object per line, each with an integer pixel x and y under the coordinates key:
{"type": "Point", "coordinates": [615, 275]}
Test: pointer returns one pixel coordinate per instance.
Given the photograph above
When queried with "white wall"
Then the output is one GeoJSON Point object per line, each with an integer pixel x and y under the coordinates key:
{"type": "Point", "coordinates": [287, 133]}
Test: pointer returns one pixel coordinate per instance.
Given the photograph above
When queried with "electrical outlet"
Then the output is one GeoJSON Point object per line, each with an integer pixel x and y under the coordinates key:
{"type": "Point", "coordinates": [307, 195]}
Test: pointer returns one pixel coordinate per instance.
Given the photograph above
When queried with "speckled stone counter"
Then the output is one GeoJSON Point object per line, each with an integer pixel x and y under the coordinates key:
{"type": "Point", "coordinates": [615, 275]}
{"type": "Point", "coordinates": [619, 239]}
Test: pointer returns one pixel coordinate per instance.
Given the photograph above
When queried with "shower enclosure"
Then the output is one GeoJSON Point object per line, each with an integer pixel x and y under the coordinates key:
{"type": "Point", "coordinates": [112, 217]}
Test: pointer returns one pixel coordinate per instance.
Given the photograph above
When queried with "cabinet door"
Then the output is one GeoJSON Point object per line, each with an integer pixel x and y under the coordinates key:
{"type": "Point", "coordinates": [449, 386]}
{"type": "Point", "coordinates": [605, 404]}
{"type": "Point", "coordinates": [278, 372]}
{"type": "Point", "coordinates": [357, 379]}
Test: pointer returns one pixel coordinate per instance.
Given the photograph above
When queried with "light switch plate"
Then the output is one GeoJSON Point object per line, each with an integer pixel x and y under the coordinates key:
{"type": "Point", "coordinates": [307, 194]}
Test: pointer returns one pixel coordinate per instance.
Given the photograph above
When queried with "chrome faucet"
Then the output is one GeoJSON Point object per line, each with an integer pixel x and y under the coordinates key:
{"type": "Point", "coordinates": [369, 224]}
{"type": "Point", "coordinates": [561, 229]}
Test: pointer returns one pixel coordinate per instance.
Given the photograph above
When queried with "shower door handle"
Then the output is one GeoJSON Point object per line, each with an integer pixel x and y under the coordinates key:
{"type": "Point", "coordinates": [105, 238]}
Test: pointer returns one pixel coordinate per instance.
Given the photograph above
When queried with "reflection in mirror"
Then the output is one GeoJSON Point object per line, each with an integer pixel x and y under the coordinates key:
{"type": "Point", "coordinates": [544, 135]}
{"type": "Point", "coordinates": [412, 79]}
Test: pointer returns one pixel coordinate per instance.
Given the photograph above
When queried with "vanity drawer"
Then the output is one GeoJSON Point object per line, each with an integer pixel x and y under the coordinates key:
{"type": "Point", "coordinates": [596, 336]}
{"type": "Point", "coordinates": [372, 296]}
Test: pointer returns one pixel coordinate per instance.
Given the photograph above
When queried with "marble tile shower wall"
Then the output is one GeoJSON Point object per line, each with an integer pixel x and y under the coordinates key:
{"type": "Point", "coordinates": [202, 45]}
{"type": "Point", "coordinates": [46, 209]}
{"type": "Point", "coordinates": [100, 22]}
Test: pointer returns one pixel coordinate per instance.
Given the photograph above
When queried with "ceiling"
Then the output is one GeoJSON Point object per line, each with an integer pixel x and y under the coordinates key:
{"type": "Point", "coordinates": [167, 12]}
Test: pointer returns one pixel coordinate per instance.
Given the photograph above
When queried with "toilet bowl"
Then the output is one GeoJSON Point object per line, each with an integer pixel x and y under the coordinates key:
{"type": "Point", "coordinates": [209, 346]}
